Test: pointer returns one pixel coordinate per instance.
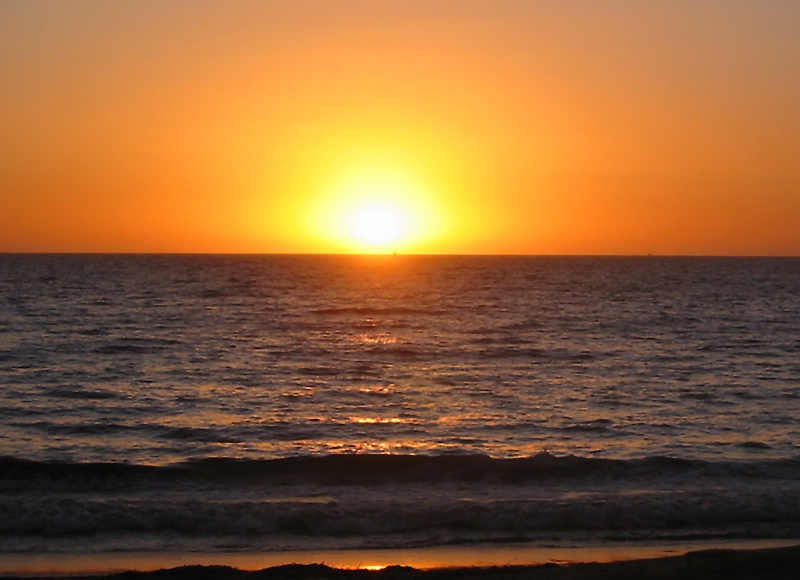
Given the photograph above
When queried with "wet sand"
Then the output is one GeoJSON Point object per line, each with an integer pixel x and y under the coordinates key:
{"type": "Point", "coordinates": [766, 563]}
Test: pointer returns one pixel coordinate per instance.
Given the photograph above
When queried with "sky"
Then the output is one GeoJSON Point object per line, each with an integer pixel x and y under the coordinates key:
{"type": "Point", "coordinates": [618, 127]}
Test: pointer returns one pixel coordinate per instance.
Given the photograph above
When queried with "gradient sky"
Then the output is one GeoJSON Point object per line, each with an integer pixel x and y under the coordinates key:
{"type": "Point", "coordinates": [521, 127]}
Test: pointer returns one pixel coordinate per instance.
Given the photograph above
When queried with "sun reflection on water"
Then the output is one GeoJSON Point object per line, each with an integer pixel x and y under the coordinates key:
{"type": "Point", "coordinates": [377, 339]}
{"type": "Point", "coordinates": [376, 420]}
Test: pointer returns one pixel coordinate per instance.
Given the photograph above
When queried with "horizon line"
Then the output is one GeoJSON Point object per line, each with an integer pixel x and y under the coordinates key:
{"type": "Point", "coordinates": [393, 255]}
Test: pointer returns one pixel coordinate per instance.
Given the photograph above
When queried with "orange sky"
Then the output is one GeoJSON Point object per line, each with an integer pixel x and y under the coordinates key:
{"type": "Point", "coordinates": [514, 127]}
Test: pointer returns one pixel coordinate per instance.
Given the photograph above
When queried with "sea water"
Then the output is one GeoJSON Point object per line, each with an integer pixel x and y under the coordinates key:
{"type": "Point", "coordinates": [217, 403]}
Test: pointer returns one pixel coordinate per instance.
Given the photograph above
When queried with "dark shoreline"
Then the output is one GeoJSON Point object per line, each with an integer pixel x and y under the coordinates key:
{"type": "Point", "coordinates": [766, 563]}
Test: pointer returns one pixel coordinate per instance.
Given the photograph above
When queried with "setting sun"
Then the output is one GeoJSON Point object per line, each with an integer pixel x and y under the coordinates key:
{"type": "Point", "coordinates": [378, 223]}
{"type": "Point", "coordinates": [375, 208]}
{"type": "Point", "coordinates": [399, 283]}
{"type": "Point", "coordinates": [426, 128]}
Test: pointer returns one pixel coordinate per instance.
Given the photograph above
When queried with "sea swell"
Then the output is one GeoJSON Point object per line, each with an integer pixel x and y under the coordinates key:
{"type": "Point", "coordinates": [393, 500]}
{"type": "Point", "coordinates": [53, 517]}
{"type": "Point", "coordinates": [377, 469]}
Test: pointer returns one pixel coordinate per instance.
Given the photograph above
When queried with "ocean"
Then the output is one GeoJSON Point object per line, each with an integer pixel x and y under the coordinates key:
{"type": "Point", "coordinates": [220, 403]}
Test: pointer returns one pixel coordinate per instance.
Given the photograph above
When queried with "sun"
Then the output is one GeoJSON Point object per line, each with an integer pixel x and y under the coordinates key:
{"type": "Point", "coordinates": [376, 209]}
{"type": "Point", "coordinates": [378, 223]}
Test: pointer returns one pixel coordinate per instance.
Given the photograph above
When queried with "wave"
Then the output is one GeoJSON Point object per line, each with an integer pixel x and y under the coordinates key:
{"type": "Point", "coordinates": [396, 499]}
{"type": "Point", "coordinates": [136, 345]}
{"type": "Point", "coordinates": [372, 516]}
{"type": "Point", "coordinates": [82, 393]}
{"type": "Point", "coordinates": [198, 434]}
{"type": "Point", "coordinates": [377, 469]}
